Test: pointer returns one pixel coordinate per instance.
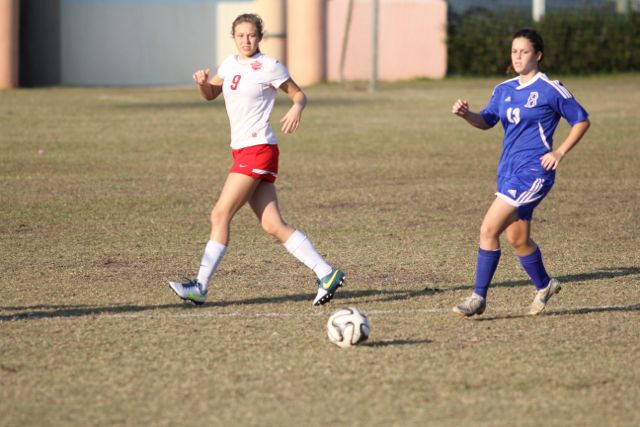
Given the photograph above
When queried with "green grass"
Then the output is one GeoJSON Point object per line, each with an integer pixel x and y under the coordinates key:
{"type": "Point", "coordinates": [389, 186]}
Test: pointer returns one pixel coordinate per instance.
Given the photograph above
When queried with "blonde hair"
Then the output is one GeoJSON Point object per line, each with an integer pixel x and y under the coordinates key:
{"type": "Point", "coordinates": [251, 18]}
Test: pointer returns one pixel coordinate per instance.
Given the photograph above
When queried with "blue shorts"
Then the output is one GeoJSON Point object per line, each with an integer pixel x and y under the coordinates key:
{"type": "Point", "coordinates": [524, 192]}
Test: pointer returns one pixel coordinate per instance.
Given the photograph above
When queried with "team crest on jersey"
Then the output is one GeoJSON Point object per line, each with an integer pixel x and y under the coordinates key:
{"type": "Point", "coordinates": [256, 65]}
{"type": "Point", "coordinates": [507, 99]}
{"type": "Point", "coordinates": [532, 101]}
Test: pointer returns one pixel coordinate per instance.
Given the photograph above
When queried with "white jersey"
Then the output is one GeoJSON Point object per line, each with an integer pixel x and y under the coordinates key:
{"type": "Point", "coordinates": [250, 87]}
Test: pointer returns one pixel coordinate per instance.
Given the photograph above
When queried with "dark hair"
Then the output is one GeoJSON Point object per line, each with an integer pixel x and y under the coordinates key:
{"type": "Point", "coordinates": [251, 18]}
{"type": "Point", "coordinates": [534, 38]}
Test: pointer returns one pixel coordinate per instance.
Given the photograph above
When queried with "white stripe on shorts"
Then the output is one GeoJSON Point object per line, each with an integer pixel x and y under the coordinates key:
{"type": "Point", "coordinates": [531, 194]}
{"type": "Point", "coordinates": [263, 172]}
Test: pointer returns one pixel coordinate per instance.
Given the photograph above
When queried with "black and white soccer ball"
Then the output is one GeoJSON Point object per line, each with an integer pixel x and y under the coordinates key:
{"type": "Point", "coordinates": [347, 327]}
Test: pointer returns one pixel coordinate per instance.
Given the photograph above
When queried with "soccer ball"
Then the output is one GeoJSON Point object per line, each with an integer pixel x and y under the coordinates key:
{"type": "Point", "coordinates": [347, 327]}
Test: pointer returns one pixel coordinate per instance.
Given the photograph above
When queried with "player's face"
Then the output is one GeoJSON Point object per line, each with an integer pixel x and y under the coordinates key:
{"type": "Point", "coordinates": [245, 34]}
{"type": "Point", "coordinates": [523, 57]}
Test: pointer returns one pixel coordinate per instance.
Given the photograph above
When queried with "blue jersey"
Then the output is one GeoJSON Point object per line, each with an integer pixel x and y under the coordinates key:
{"type": "Point", "coordinates": [530, 113]}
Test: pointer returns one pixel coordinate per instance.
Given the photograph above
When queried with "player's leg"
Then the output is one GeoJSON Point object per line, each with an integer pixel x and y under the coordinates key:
{"type": "Point", "coordinates": [264, 203]}
{"type": "Point", "coordinates": [237, 190]}
{"type": "Point", "coordinates": [498, 217]}
{"type": "Point", "coordinates": [519, 236]}
{"type": "Point", "coordinates": [531, 190]}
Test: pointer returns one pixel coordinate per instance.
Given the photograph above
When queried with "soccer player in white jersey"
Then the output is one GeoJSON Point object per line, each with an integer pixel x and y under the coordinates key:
{"type": "Point", "coordinates": [249, 82]}
{"type": "Point", "coordinates": [529, 107]}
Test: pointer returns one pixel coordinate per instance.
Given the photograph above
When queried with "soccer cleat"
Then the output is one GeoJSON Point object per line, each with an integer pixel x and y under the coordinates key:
{"type": "Point", "coordinates": [327, 286]}
{"type": "Point", "coordinates": [543, 296]}
{"type": "Point", "coordinates": [474, 304]}
{"type": "Point", "coordinates": [189, 291]}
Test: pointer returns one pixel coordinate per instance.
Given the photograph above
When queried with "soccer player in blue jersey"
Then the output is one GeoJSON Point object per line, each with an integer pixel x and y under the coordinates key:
{"type": "Point", "coordinates": [529, 107]}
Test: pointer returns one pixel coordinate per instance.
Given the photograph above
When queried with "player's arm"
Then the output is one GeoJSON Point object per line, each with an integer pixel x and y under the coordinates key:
{"type": "Point", "coordinates": [552, 159]}
{"type": "Point", "coordinates": [209, 89]}
{"type": "Point", "coordinates": [291, 120]}
{"type": "Point", "coordinates": [461, 108]}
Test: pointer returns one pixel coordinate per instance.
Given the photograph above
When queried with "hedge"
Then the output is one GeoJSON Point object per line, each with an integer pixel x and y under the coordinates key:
{"type": "Point", "coordinates": [587, 42]}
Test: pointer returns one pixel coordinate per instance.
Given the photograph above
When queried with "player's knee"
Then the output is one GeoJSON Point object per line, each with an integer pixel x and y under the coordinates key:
{"type": "Point", "coordinates": [272, 227]}
{"type": "Point", "coordinates": [488, 232]}
{"type": "Point", "coordinates": [518, 242]}
{"type": "Point", "coordinates": [219, 217]}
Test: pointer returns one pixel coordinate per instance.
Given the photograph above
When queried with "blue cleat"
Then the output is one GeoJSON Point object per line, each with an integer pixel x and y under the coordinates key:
{"type": "Point", "coordinates": [327, 286]}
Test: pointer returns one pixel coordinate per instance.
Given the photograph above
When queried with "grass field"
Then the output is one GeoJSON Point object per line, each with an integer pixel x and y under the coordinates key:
{"type": "Point", "coordinates": [105, 195]}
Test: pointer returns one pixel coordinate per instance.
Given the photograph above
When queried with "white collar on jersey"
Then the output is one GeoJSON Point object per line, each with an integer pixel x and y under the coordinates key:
{"type": "Point", "coordinates": [538, 75]}
{"type": "Point", "coordinates": [255, 56]}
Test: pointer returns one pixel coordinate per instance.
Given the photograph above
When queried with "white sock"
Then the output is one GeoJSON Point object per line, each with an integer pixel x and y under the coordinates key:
{"type": "Point", "coordinates": [300, 247]}
{"type": "Point", "coordinates": [213, 254]}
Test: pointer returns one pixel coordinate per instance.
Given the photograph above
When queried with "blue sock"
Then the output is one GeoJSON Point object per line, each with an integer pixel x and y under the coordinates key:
{"type": "Point", "coordinates": [534, 267]}
{"type": "Point", "coordinates": [486, 266]}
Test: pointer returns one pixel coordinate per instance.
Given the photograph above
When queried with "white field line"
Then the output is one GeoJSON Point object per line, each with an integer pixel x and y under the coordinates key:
{"type": "Point", "coordinates": [209, 314]}
{"type": "Point", "coordinates": [199, 313]}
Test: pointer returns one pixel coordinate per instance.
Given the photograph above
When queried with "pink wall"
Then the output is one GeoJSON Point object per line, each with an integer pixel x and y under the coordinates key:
{"type": "Point", "coordinates": [306, 44]}
{"type": "Point", "coordinates": [411, 41]}
{"type": "Point", "coordinates": [9, 43]}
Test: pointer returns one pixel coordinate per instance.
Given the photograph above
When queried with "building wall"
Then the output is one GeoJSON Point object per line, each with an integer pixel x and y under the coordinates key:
{"type": "Point", "coordinates": [39, 41]}
{"type": "Point", "coordinates": [161, 42]}
{"type": "Point", "coordinates": [134, 42]}
{"type": "Point", "coordinates": [411, 40]}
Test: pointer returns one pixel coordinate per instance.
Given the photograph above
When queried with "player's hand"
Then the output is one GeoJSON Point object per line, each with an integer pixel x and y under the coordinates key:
{"type": "Point", "coordinates": [291, 120]}
{"type": "Point", "coordinates": [201, 76]}
{"type": "Point", "coordinates": [551, 160]}
{"type": "Point", "coordinates": [460, 108]}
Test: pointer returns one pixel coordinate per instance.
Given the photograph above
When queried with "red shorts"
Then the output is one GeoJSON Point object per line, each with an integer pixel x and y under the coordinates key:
{"type": "Point", "coordinates": [260, 162]}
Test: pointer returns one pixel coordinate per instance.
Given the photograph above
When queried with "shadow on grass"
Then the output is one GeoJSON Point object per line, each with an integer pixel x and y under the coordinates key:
{"type": "Point", "coordinates": [388, 343]}
{"type": "Point", "coordinates": [563, 312]}
{"type": "Point", "coordinates": [395, 295]}
{"type": "Point", "coordinates": [385, 295]}
{"type": "Point", "coordinates": [61, 311]}
{"type": "Point", "coordinates": [602, 273]}
{"type": "Point", "coordinates": [44, 311]}
{"type": "Point", "coordinates": [586, 310]}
